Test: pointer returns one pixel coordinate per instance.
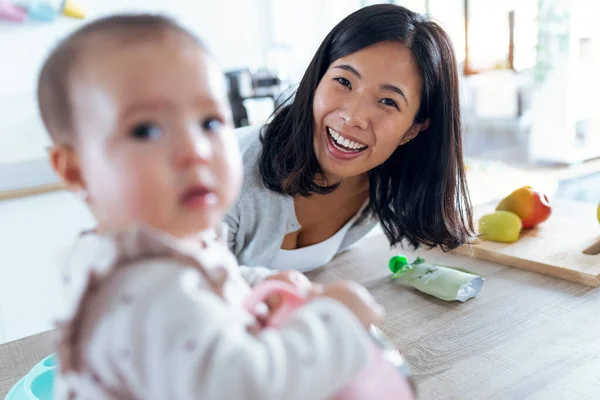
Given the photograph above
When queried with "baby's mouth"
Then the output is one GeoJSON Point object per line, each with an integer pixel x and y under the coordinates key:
{"type": "Point", "coordinates": [199, 196]}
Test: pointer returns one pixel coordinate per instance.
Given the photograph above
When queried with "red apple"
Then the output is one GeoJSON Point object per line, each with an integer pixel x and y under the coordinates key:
{"type": "Point", "coordinates": [532, 206]}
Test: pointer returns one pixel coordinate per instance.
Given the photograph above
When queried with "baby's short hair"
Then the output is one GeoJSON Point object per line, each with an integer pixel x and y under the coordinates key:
{"type": "Point", "coordinates": [53, 95]}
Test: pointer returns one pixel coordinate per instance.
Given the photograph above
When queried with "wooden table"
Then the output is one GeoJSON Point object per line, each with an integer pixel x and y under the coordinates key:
{"type": "Point", "coordinates": [18, 357]}
{"type": "Point", "coordinates": [524, 336]}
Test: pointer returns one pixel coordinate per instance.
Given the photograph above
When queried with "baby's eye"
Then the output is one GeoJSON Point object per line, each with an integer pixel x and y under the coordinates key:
{"type": "Point", "coordinates": [146, 131]}
{"type": "Point", "coordinates": [344, 82]}
{"type": "Point", "coordinates": [390, 102]}
{"type": "Point", "coordinates": [212, 125]}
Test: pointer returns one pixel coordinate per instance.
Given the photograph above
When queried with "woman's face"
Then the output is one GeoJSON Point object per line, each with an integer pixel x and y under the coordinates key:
{"type": "Point", "coordinates": [364, 108]}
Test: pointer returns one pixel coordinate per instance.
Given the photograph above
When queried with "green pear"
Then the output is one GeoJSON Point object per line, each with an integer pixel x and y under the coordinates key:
{"type": "Point", "coordinates": [500, 226]}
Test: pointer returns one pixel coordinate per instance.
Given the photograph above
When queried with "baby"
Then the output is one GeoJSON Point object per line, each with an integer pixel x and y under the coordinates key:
{"type": "Point", "coordinates": [137, 110]}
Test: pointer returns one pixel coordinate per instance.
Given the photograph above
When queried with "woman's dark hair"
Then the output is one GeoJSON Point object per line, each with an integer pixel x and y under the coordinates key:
{"type": "Point", "coordinates": [419, 193]}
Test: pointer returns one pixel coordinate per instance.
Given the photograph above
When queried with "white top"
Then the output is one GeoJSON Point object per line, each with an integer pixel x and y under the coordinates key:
{"type": "Point", "coordinates": [155, 320]}
{"type": "Point", "coordinates": [261, 218]}
{"type": "Point", "coordinates": [314, 256]}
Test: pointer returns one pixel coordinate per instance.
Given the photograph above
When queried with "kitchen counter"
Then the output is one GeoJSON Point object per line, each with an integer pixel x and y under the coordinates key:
{"type": "Point", "coordinates": [524, 336]}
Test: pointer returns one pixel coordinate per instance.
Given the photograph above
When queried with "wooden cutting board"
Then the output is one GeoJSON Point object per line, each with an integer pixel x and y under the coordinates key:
{"type": "Point", "coordinates": [555, 247]}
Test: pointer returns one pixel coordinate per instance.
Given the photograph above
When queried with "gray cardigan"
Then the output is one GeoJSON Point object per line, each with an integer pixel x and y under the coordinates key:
{"type": "Point", "coordinates": [261, 218]}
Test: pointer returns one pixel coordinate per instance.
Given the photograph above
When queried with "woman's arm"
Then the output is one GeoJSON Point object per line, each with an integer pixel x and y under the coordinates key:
{"type": "Point", "coordinates": [232, 222]}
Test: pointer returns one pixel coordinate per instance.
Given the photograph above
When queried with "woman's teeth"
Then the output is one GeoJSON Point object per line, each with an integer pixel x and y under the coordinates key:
{"type": "Point", "coordinates": [348, 145]}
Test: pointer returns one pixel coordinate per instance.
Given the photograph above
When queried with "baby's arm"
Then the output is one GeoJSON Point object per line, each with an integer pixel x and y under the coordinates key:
{"type": "Point", "coordinates": [255, 275]}
{"type": "Point", "coordinates": [174, 339]}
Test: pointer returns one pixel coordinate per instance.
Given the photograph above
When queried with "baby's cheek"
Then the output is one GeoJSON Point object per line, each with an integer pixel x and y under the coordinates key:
{"type": "Point", "coordinates": [144, 195]}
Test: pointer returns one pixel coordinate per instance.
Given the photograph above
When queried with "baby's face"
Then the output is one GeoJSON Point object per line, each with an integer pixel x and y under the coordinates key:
{"type": "Point", "coordinates": [155, 139]}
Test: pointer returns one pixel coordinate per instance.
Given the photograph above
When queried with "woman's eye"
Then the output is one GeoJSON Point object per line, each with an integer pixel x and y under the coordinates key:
{"type": "Point", "coordinates": [344, 82]}
{"type": "Point", "coordinates": [146, 131]}
{"type": "Point", "coordinates": [390, 102]}
{"type": "Point", "coordinates": [212, 125]}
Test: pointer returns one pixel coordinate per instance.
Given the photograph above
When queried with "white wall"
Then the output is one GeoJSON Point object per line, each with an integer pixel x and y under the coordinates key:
{"type": "Point", "coordinates": [232, 28]}
{"type": "Point", "coordinates": [33, 232]}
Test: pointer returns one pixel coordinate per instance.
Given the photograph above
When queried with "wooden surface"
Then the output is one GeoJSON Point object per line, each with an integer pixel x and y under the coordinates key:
{"type": "Point", "coordinates": [18, 357]}
{"type": "Point", "coordinates": [555, 247]}
{"type": "Point", "coordinates": [31, 191]}
{"type": "Point", "coordinates": [525, 336]}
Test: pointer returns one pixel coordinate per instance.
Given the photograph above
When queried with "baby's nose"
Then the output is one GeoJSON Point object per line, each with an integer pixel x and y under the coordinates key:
{"type": "Point", "coordinates": [194, 148]}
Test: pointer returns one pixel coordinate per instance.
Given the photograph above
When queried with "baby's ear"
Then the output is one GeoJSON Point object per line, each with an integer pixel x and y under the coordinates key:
{"type": "Point", "coordinates": [65, 163]}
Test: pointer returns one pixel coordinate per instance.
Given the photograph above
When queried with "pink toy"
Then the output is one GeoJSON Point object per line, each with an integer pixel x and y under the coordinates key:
{"type": "Point", "coordinates": [385, 378]}
{"type": "Point", "coordinates": [12, 12]}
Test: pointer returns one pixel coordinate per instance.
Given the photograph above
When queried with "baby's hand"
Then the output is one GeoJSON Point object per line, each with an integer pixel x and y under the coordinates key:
{"type": "Point", "coordinates": [302, 284]}
{"type": "Point", "coordinates": [358, 299]}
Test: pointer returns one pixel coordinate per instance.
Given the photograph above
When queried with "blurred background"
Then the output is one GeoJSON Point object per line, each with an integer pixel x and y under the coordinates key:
{"type": "Point", "coordinates": [528, 72]}
{"type": "Point", "coordinates": [529, 94]}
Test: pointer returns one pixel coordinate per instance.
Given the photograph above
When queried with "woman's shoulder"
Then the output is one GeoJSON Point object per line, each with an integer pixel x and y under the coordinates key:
{"type": "Point", "coordinates": [250, 149]}
{"type": "Point", "coordinates": [249, 140]}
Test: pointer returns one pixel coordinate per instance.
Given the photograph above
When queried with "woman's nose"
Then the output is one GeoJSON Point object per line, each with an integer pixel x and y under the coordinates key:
{"type": "Point", "coordinates": [194, 147]}
{"type": "Point", "coordinates": [355, 112]}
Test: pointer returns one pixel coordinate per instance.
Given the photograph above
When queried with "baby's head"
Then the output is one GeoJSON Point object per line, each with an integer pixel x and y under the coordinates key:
{"type": "Point", "coordinates": [139, 117]}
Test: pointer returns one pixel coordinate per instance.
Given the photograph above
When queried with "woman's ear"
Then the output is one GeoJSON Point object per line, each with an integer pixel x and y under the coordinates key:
{"type": "Point", "coordinates": [424, 125]}
{"type": "Point", "coordinates": [65, 163]}
{"type": "Point", "coordinates": [415, 130]}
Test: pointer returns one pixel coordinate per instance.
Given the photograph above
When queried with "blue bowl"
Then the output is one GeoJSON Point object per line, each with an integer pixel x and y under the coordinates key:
{"type": "Point", "coordinates": [38, 384]}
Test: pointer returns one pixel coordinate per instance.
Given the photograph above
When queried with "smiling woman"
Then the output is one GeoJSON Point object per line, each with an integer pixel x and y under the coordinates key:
{"type": "Point", "coordinates": [357, 102]}
{"type": "Point", "coordinates": [372, 135]}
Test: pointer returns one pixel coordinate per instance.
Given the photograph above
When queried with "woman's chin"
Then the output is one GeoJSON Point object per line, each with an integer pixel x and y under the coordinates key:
{"type": "Point", "coordinates": [335, 174]}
